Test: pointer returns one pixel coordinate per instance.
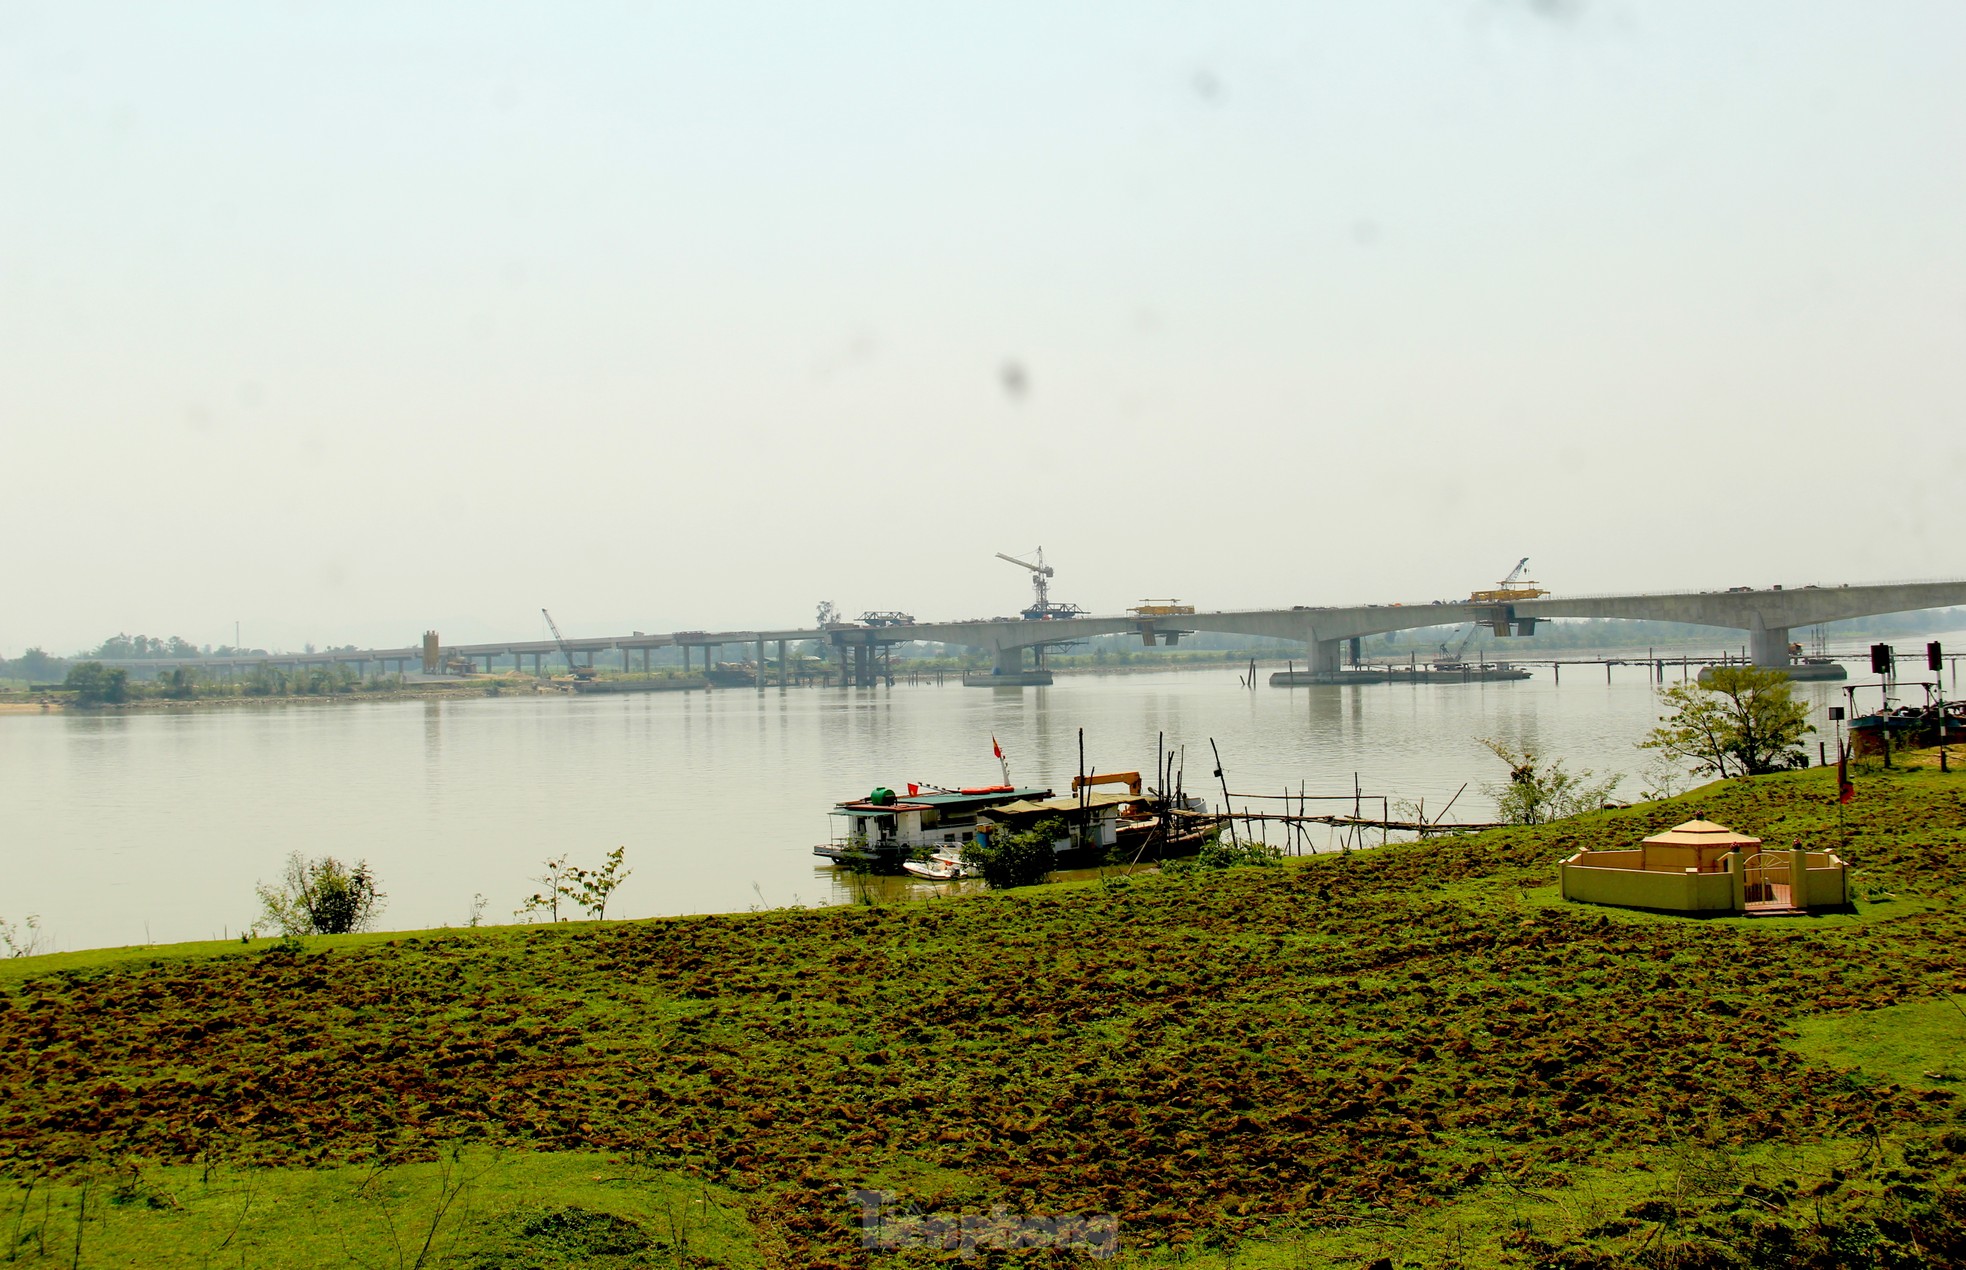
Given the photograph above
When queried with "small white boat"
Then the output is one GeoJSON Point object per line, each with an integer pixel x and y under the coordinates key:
{"type": "Point", "coordinates": [946, 865]}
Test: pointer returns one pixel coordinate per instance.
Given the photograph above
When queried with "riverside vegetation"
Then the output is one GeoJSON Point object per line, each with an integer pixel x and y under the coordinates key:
{"type": "Point", "coordinates": [1415, 1056]}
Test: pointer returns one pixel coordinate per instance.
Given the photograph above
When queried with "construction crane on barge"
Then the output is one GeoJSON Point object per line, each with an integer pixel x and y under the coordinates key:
{"type": "Point", "coordinates": [1042, 608]}
{"type": "Point", "coordinates": [582, 673]}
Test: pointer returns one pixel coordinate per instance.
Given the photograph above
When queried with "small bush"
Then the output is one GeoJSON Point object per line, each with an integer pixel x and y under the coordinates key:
{"type": "Point", "coordinates": [15, 944]}
{"type": "Point", "coordinates": [588, 888]}
{"type": "Point", "coordinates": [322, 897]}
{"type": "Point", "coordinates": [1016, 859]}
{"type": "Point", "coordinates": [1539, 792]}
{"type": "Point", "coordinates": [1217, 854]}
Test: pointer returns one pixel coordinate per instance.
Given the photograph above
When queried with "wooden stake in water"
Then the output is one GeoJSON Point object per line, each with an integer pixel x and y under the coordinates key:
{"type": "Point", "coordinates": [1228, 811]}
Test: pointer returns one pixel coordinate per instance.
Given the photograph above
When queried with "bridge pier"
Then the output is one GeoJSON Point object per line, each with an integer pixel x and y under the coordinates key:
{"type": "Point", "coordinates": [784, 679]}
{"type": "Point", "coordinates": [1010, 661]}
{"type": "Point", "coordinates": [1770, 647]}
{"type": "Point", "coordinates": [759, 662]}
{"type": "Point", "coordinates": [1326, 655]}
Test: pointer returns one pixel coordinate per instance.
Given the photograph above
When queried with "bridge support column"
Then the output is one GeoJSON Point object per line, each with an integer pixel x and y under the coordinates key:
{"type": "Point", "coordinates": [863, 666]}
{"type": "Point", "coordinates": [759, 662]}
{"type": "Point", "coordinates": [1770, 647]}
{"type": "Point", "coordinates": [685, 648]}
{"type": "Point", "coordinates": [784, 677]}
{"type": "Point", "coordinates": [1325, 655]}
{"type": "Point", "coordinates": [1010, 661]}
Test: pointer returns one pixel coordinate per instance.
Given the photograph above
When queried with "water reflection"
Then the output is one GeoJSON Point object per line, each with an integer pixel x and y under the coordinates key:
{"type": "Point", "coordinates": [169, 817]}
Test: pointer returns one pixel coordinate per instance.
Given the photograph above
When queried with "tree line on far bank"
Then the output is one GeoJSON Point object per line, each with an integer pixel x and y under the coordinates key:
{"type": "Point", "coordinates": [95, 684]}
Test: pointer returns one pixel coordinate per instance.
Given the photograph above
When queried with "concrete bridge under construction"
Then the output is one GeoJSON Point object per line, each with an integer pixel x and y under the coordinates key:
{"type": "Point", "coordinates": [1768, 616]}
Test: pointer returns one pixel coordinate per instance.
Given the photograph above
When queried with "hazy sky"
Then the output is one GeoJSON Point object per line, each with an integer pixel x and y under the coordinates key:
{"type": "Point", "coordinates": [344, 321]}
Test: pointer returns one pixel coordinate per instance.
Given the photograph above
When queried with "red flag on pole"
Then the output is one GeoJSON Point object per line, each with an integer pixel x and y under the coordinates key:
{"type": "Point", "coordinates": [996, 749]}
{"type": "Point", "coordinates": [1845, 791]}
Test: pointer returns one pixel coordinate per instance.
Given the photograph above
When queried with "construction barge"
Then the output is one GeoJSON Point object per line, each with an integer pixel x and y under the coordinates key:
{"type": "Point", "coordinates": [1432, 673]}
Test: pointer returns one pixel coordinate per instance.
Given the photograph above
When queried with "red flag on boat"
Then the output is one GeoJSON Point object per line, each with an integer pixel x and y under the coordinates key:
{"type": "Point", "coordinates": [1845, 791]}
{"type": "Point", "coordinates": [995, 748]}
{"type": "Point", "coordinates": [913, 789]}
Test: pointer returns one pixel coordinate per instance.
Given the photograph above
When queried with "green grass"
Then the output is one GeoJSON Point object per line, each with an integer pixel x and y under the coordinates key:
{"type": "Point", "coordinates": [478, 1208]}
{"type": "Point", "coordinates": [1416, 1053]}
{"type": "Point", "coordinates": [1921, 1044]}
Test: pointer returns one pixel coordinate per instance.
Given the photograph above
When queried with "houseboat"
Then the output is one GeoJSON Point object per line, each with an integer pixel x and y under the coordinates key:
{"type": "Point", "coordinates": [885, 828]}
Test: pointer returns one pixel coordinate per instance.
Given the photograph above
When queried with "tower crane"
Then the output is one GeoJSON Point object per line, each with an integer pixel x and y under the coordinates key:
{"type": "Point", "coordinates": [566, 649]}
{"type": "Point", "coordinates": [1041, 575]}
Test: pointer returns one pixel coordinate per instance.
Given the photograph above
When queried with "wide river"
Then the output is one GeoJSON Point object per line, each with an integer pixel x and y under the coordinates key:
{"type": "Point", "coordinates": [153, 826]}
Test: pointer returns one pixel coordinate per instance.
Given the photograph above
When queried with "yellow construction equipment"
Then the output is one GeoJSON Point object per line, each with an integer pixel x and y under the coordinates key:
{"type": "Point", "coordinates": [1129, 779]}
{"type": "Point", "coordinates": [1161, 608]}
{"type": "Point", "coordinates": [1512, 588]}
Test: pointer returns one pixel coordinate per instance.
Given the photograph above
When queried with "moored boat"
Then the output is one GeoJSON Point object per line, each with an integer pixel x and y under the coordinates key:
{"type": "Point", "coordinates": [884, 829]}
{"type": "Point", "coordinates": [1908, 726]}
{"type": "Point", "coordinates": [945, 865]}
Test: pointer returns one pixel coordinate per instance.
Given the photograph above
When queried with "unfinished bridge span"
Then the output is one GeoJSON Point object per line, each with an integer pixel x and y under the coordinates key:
{"type": "Point", "coordinates": [1767, 616]}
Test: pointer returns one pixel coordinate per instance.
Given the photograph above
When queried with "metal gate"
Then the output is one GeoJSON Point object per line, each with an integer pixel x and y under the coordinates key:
{"type": "Point", "coordinates": [1766, 878]}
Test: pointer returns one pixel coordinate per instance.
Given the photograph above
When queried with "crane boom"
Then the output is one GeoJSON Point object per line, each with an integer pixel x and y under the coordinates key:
{"type": "Point", "coordinates": [1041, 574]}
{"type": "Point", "coordinates": [566, 649]}
{"type": "Point", "coordinates": [1040, 568]}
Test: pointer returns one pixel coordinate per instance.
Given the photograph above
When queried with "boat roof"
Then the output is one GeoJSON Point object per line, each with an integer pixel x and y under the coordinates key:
{"type": "Point", "coordinates": [937, 802]}
{"type": "Point", "coordinates": [1056, 806]}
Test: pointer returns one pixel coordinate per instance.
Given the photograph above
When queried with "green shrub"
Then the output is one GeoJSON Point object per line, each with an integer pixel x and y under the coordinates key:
{"type": "Point", "coordinates": [1538, 792]}
{"type": "Point", "coordinates": [1217, 854]}
{"type": "Point", "coordinates": [1016, 859]}
{"type": "Point", "coordinates": [322, 897]}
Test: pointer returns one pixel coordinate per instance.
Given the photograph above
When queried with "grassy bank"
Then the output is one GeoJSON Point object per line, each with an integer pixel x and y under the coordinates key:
{"type": "Point", "coordinates": [1416, 1053]}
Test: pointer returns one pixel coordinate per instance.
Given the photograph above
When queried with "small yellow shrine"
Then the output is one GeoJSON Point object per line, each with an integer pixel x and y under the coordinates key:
{"type": "Point", "coordinates": [1702, 867]}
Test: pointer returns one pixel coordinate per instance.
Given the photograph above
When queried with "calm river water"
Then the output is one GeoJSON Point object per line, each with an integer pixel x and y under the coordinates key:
{"type": "Point", "coordinates": [154, 826]}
